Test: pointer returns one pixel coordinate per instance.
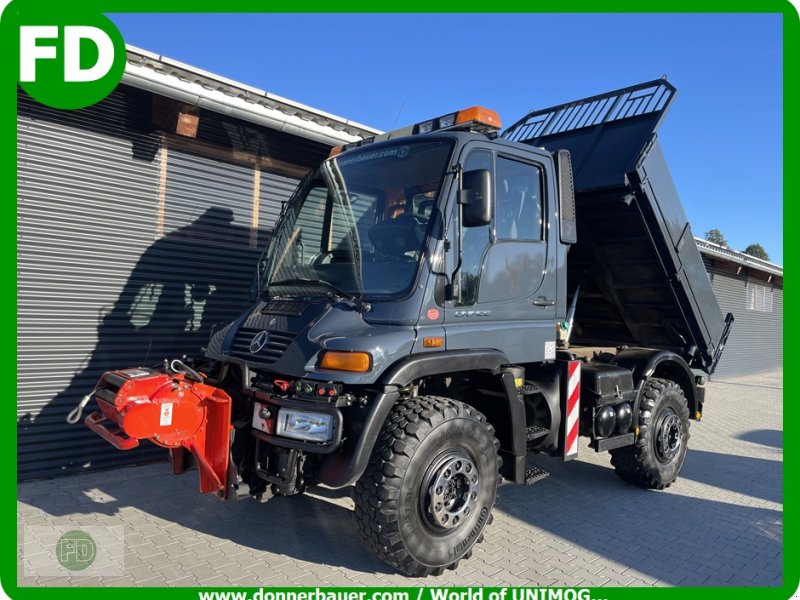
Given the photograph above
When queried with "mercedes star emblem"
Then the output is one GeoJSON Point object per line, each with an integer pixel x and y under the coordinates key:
{"type": "Point", "coordinates": [258, 342]}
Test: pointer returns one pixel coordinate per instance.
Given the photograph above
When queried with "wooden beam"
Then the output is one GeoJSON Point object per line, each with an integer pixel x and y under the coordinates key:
{"type": "Point", "coordinates": [173, 116]}
{"type": "Point", "coordinates": [188, 120]}
{"type": "Point", "coordinates": [256, 203]}
{"type": "Point", "coordinates": [162, 193]}
{"type": "Point", "coordinates": [240, 157]}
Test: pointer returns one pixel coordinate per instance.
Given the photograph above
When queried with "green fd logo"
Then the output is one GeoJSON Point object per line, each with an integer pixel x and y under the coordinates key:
{"type": "Point", "coordinates": [30, 51]}
{"type": "Point", "coordinates": [71, 61]}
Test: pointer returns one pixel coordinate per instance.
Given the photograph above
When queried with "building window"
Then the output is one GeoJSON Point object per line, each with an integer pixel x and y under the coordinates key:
{"type": "Point", "coordinates": [759, 297]}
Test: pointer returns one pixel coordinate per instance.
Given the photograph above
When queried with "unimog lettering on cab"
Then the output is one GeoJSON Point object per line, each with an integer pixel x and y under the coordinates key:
{"type": "Point", "coordinates": [435, 304]}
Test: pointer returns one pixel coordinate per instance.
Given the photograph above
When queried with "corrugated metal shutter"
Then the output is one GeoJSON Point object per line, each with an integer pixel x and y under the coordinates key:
{"type": "Point", "coordinates": [127, 254]}
{"type": "Point", "coordinates": [206, 259]}
{"type": "Point", "coordinates": [88, 183]}
{"type": "Point", "coordinates": [756, 340]}
{"type": "Point", "coordinates": [275, 191]}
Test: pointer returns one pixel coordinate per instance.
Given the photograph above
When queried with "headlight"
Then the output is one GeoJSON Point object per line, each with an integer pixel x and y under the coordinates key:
{"type": "Point", "coordinates": [301, 425]}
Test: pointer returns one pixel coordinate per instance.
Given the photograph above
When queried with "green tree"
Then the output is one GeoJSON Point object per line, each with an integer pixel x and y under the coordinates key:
{"type": "Point", "coordinates": [756, 250]}
{"type": "Point", "coordinates": [715, 236]}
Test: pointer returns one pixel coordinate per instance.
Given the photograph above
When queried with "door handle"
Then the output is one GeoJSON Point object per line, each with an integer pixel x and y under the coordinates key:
{"type": "Point", "coordinates": [542, 301]}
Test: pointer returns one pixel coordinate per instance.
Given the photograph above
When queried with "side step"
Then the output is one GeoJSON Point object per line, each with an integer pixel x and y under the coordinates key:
{"type": "Point", "coordinates": [535, 432]}
{"type": "Point", "coordinates": [534, 474]}
{"type": "Point", "coordinates": [529, 388]}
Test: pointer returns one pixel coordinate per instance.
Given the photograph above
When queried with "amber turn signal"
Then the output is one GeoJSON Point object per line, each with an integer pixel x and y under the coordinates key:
{"type": "Point", "coordinates": [432, 342]}
{"type": "Point", "coordinates": [355, 362]}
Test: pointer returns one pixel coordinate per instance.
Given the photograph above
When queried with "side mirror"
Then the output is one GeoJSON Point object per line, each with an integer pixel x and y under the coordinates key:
{"type": "Point", "coordinates": [476, 198]}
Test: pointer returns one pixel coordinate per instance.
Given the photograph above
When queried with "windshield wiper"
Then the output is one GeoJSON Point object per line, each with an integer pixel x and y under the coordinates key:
{"type": "Point", "coordinates": [354, 299]}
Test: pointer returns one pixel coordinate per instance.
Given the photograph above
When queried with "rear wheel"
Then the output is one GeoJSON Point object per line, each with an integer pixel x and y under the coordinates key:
{"type": "Point", "coordinates": [655, 460]}
{"type": "Point", "coordinates": [430, 485]}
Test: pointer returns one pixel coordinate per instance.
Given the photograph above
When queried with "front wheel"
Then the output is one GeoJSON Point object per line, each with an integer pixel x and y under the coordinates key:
{"type": "Point", "coordinates": [655, 460]}
{"type": "Point", "coordinates": [428, 491]}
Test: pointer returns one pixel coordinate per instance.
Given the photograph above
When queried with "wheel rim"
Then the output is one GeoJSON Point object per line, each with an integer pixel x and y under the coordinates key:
{"type": "Point", "coordinates": [669, 436]}
{"type": "Point", "coordinates": [450, 490]}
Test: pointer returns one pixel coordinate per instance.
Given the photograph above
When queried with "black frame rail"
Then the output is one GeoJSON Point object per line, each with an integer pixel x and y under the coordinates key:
{"type": "Point", "coordinates": [650, 98]}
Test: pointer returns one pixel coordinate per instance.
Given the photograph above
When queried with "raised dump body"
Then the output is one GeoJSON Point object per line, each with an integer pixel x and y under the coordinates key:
{"type": "Point", "coordinates": [642, 280]}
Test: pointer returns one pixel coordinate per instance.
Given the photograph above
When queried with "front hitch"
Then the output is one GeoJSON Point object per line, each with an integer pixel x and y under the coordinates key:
{"type": "Point", "coordinates": [171, 409]}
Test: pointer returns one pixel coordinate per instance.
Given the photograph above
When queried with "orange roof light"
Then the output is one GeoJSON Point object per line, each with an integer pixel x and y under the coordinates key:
{"type": "Point", "coordinates": [335, 151]}
{"type": "Point", "coordinates": [479, 114]}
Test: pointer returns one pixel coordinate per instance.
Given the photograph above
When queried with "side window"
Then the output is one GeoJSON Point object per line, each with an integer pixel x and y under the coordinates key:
{"type": "Point", "coordinates": [518, 204]}
{"type": "Point", "coordinates": [473, 240]}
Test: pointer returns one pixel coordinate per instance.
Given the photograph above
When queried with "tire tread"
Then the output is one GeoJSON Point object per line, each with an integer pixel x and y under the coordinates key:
{"type": "Point", "coordinates": [635, 463]}
{"type": "Point", "coordinates": [378, 491]}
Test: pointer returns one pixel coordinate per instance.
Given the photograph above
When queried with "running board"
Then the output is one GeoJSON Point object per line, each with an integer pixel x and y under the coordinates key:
{"type": "Point", "coordinates": [535, 474]}
{"type": "Point", "coordinates": [535, 432]}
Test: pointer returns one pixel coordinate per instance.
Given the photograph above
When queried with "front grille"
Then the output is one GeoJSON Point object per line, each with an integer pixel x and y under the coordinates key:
{"type": "Point", "coordinates": [278, 343]}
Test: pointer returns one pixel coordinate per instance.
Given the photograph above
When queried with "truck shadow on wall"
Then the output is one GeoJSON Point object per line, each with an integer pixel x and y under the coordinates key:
{"type": "Point", "coordinates": [188, 283]}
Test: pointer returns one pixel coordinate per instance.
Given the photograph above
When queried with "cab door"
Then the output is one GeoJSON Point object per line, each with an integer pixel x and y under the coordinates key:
{"type": "Point", "coordinates": [506, 296]}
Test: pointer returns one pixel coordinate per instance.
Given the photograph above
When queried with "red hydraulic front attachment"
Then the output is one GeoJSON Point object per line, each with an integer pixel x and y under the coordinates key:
{"type": "Point", "coordinates": [171, 410]}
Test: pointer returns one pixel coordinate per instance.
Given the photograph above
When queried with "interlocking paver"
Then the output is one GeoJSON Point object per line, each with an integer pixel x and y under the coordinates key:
{"type": "Point", "coordinates": [720, 524]}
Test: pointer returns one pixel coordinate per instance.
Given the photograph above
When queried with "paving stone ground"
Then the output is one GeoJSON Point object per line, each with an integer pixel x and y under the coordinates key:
{"type": "Point", "coordinates": [720, 524]}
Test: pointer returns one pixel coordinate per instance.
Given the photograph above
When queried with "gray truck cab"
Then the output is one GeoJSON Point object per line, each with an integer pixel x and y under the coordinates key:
{"type": "Point", "coordinates": [371, 240]}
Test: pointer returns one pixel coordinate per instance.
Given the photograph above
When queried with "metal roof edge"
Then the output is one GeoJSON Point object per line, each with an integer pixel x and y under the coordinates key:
{"type": "Point", "coordinates": [741, 258]}
{"type": "Point", "coordinates": [184, 82]}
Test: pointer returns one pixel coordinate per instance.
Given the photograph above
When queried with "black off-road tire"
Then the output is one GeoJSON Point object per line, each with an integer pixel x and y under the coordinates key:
{"type": "Point", "coordinates": [655, 460]}
{"type": "Point", "coordinates": [419, 475]}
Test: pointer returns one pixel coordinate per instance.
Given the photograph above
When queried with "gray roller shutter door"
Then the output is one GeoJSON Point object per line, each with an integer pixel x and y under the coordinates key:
{"type": "Point", "coordinates": [87, 187]}
{"type": "Point", "coordinates": [206, 258]}
{"type": "Point", "coordinates": [756, 340]}
{"type": "Point", "coordinates": [121, 263]}
{"type": "Point", "coordinates": [275, 192]}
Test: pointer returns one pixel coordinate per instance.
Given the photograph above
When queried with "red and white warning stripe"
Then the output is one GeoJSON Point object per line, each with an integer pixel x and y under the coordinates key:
{"type": "Point", "coordinates": [573, 408]}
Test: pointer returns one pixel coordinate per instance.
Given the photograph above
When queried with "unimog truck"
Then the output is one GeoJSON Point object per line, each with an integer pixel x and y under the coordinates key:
{"type": "Point", "coordinates": [436, 305]}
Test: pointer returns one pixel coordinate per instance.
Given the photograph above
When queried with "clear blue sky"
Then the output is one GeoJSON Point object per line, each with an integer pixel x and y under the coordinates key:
{"type": "Point", "coordinates": [722, 138]}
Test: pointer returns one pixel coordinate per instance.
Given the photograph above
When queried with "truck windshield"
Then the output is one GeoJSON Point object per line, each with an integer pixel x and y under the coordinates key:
{"type": "Point", "coordinates": [357, 225]}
